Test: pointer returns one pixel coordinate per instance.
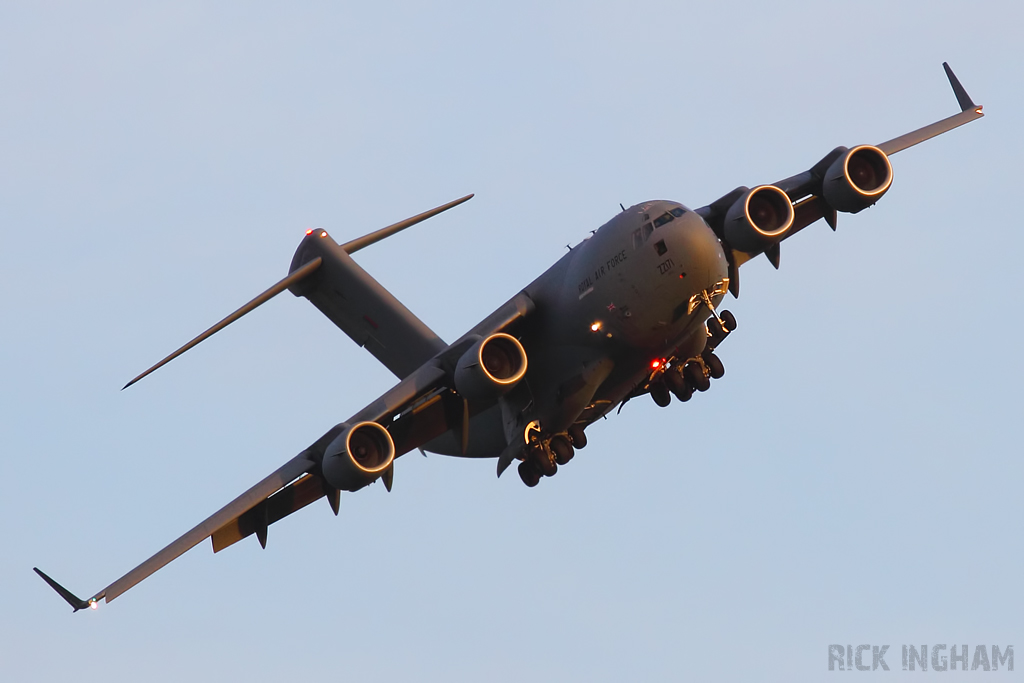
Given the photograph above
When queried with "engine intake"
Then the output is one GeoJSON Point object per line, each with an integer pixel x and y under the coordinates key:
{"type": "Point", "coordinates": [358, 456]}
{"type": "Point", "coordinates": [758, 219]}
{"type": "Point", "coordinates": [490, 367]}
{"type": "Point", "coordinates": [857, 179]}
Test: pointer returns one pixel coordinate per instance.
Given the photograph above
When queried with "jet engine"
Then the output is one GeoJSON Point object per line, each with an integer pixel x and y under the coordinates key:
{"type": "Point", "coordinates": [490, 367]}
{"type": "Point", "coordinates": [758, 219]}
{"type": "Point", "coordinates": [857, 179]}
{"type": "Point", "coordinates": [358, 456]}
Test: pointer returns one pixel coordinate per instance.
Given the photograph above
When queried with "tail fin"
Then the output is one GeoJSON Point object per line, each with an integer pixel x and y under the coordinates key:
{"type": "Point", "coordinates": [362, 307]}
{"type": "Point", "coordinates": [352, 299]}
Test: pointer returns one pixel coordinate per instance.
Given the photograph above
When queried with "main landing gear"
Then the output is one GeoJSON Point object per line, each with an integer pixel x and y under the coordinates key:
{"type": "Point", "coordinates": [681, 379]}
{"type": "Point", "coordinates": [541, 457]}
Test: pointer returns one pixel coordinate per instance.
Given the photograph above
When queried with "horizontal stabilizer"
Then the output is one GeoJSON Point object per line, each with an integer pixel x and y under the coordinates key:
{"type": "Point", "coordinates": [409, 335]}
{"type": "Point", "coordinates": [366, 240]}
{"type": "Point", "coordinates": [293, 278]}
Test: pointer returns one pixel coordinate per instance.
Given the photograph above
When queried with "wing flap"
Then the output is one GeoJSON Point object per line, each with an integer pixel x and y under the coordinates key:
{"type": "Point", "coordinates": [293, 469]}
{"type": "Point", "coordinates": [291, 498]}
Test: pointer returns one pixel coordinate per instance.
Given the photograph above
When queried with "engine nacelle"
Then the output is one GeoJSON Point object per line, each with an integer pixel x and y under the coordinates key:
{"type": "Point", "coordinates": [358, 456]}
{"type": "Point", "coordinates": [857, 179]}
{"type": "Point", "coordinates": [490, 367]}
{"type": "Point", "coordinates": [758, 219]}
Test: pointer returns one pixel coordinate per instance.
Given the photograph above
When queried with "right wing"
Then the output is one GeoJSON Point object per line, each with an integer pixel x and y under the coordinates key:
{"type": "Point", "coordinates": [806, 191]}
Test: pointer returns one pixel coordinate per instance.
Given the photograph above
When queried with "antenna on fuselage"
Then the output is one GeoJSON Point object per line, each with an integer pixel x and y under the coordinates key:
{"type": "Point", "coordinates": [622, 207]}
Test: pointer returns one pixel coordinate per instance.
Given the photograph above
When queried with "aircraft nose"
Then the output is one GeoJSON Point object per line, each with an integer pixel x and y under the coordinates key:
{"type": "Point", "coordinates": [704, 265]}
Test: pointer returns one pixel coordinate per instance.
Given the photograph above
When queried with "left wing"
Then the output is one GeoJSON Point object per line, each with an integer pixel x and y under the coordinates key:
{"type": "Point", "coordinates": [291, 470]}
{"type": "Point", "coordinates": [415, 411]}
{"type": "Point", "coordinates": [755, 221]}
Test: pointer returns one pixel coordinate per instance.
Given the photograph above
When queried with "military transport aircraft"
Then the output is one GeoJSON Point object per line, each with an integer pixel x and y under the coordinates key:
{"type": "Point", "coordinates": [630, 310]}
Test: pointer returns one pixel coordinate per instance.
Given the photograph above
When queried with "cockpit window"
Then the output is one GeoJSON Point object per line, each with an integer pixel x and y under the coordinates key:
{"type": "Point", "coordinates": [641, 234]}
{"type": "Point", "coordinates": [678, 211]}
{"type": "Point", "coordinates": [663, 219]}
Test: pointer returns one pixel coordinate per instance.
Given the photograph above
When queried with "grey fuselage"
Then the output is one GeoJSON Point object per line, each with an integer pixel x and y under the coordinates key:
{"type": "Point", "coordinates": [620, 300]}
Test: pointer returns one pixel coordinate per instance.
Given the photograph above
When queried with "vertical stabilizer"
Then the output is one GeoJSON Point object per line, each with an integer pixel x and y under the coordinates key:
{"type": "Point", "coordinates": [362, 307]}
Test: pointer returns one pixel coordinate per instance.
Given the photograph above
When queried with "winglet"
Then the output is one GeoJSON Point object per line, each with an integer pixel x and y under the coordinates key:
{"type": "Point", "coordinates": [962, 97]}
{"type": "Point", "coordinates": [969, 111]}
{"type": "Point", "coordinates": [76, 602]}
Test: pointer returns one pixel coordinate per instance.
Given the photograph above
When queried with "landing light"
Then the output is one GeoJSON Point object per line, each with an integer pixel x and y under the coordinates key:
{"type": "Point", "coordinates": [323, 233]}
{"type": "Point", "coordinates": [93, 604]}
{"type": "Point", "coordinates": [596, 326]}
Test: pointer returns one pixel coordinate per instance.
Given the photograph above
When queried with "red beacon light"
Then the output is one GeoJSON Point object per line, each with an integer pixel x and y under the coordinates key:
{"type": "Point", "coordinates": [310, 231]}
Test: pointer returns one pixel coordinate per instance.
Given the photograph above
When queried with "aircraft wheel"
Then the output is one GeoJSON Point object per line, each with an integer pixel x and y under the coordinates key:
{"type": "Point", "coordinates": [544, 462]}
{"type": "Point", "coordinates": [695, 377]}
{"type": "Point", "coordinates": [681, 388]}
{"type": "Point", "coordinates": [578, 438]}
{"type": "Point", "coordinates": [674, 379]}
{"type": "Point", "coordinates": [715, 367]}
{"type": "Point", "coordinates": [659, 392]}
{"type": "Point", "coordinates": [529, 475]}
{"type": "Point", "coordinates": [561, 449]}
{"type": "Point", "coordinates": [729, 319]}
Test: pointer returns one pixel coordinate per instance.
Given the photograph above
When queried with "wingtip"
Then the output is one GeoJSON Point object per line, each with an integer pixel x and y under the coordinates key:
{"type": "Point", "coordinates": [76, 602]}
{"type": "Point", "coordinates": [962, 98]}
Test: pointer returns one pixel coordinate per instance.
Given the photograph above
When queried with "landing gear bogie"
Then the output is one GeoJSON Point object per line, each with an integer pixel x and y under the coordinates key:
{"type": "Point", "coordinates": [541, 457]}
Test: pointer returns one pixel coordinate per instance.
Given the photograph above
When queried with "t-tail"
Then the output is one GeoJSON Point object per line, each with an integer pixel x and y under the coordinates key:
{"type": "Point", "coordinates": [324, 272]}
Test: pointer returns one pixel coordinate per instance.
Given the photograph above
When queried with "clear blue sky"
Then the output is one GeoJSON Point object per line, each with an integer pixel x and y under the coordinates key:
{"type": "Point", "coordinates": [854, 478]}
